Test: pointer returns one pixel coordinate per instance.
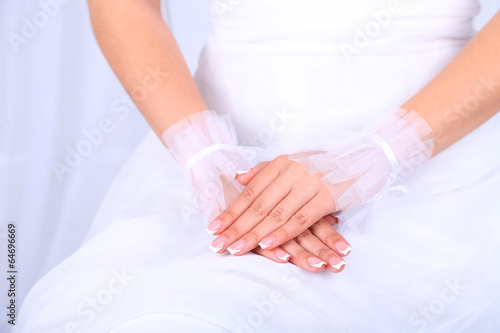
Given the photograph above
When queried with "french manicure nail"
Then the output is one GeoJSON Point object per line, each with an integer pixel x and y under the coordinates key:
{"type": "Point", "coordinates": [266, 242]}
{"type": "Point", "coordinates": [336, 262]}
{"type": "Point", "coordinates": [343, 247]}
{"type": "Point", "coordinates": [218, 244]}
{"type": "Point", "coordinates": [215, 249]}
{"type": "Point", "coordinates": [282, 255]}
{"type": "Point", "coordinates": [237, 247]}
{"type": "Point", "coordinates": [315, 262]}
{"type": "Point", "coordinates": [239, 173]}
{"type": "Point", "coordinates": [214, 227]}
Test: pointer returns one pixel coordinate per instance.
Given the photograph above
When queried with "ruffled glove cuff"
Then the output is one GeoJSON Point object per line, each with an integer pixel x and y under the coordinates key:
{"type": "Point", "coordinates": [360, 167]}
{"type": "Point", "coordinates": [205, 146]}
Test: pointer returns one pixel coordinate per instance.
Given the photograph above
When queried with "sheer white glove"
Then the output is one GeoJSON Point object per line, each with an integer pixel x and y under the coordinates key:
{"type": "Point", "coordinates": [359, 167]}
{"type": "Point", "coordinates": [205, 146]}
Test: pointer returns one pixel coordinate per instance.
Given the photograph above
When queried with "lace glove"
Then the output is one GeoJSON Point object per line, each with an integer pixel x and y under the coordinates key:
{"type": "Point", "coordinates": [205, 146]}
{"type": "Point", "coordinates": [360, 167]}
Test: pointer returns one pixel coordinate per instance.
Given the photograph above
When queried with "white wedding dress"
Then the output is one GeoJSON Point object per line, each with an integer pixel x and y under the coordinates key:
{"type": "Point", "coordinates": [289, 72]}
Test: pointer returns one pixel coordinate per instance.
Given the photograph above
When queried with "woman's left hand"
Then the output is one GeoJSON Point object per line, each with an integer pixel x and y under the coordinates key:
{"type": "Point", "coordinates": [319, 247]}
{"type": "Point", "coordinates": [280, 202]}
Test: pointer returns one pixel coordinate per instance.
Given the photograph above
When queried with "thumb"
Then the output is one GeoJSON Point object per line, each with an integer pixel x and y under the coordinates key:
{"type": "Point", "coordinates": [245, 176]}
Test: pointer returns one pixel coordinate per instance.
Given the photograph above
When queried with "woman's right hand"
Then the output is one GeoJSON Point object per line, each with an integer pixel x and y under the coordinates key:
{"type": "Point", "coordinates": [318, 247]}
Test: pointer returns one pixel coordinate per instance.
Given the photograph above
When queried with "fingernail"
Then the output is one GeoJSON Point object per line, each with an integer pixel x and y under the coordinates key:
{"type": "Point", "coordinates": [282, 255]}
{"type": "Point", "coordinates": [239, 173]}
{"type": "Point", "coordinates": [214, 227]}
{"type": "Point", "coordinates": [336, 262]}
{"type": "Point", "coordinates": [266, 242]}
{"type": "Point", "coordinates": [218, 244]}
{"type": "Point", "coordinates": [237, 247]}
{"type": "Point", "coordinates": [343, 247]}
{"type": "Point", "coordinates": [315, 262]}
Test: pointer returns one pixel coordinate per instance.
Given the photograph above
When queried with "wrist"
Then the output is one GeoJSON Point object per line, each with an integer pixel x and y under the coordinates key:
{"type": "Point", "coordinates": [195, 134]}
{"type": "Point", "coordinates": [406, 140]}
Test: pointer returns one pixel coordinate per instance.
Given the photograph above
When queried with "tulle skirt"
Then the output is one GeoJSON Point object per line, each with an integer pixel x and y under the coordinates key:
{"type": "Point", "coordinates": [425, 261]}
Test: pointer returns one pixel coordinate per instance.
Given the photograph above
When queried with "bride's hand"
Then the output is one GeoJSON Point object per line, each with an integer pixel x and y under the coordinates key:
{"type": "Point", "coordinates": [281, 202]}
{"type": "Point", "coordinates": [312, 250]}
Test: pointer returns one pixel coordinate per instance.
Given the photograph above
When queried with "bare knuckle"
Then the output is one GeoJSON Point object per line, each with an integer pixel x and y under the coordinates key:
{"type": "Point", "coordinates": [303, 236]}
{"type": "Point", "coordinates": [324, 253]}
{"type": "Point", "coordinates": [248, 193]}
{"type": "Point", "coordinates": [277, 215]}
{"type": "Point", "coordinates": [300, 219]}
{"type": "Point", "coordinates": [274, 167]}
{"type": "Point", "coordinates": [282, 234]}
{"type": "Point", "coordinates": [297, 167]}
{"type": "Point", "coordinates": [330, 219]}
{"type": "Point", "coordinates": [228, 215]}
{"type": "Point", "coordinates": [281, 159]}
{"type": "Point", "coordinates": [252, 237]}
{"type": "Point", "coordinates": [260, 165]}
{"type": "Point", "coordinates": [301, 254]}
{"type": "Point", "coordinates": [289, 172]}
{"type": "Point", "coordinates": [233, 232]}
{"type": "Point", "coordinates": [258, 208]}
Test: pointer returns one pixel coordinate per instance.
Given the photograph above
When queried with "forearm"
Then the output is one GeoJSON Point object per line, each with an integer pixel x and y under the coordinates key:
{"type": "Point", "coordinates": [466, 93]}
{"type": "Point", "coordinates": [145, 57]}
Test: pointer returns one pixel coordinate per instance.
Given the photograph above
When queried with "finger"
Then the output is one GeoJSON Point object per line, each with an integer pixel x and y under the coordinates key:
{"type": "Point", "coordinates": [324, 231]}
{"type": "Point", "coordinates": [245, 176]}
{"type": "Point", "coordinates": [239, 236]}
{"type": "Point", "coordinates": [277, 255]}
{"type": "Point", "coordinates": [302, 258]}
{"type": "Point", "coordinates": [271, 219]}
{"type": "Point", "coordinates": [312, 244]}
{"type": "Point", "coordinates": [305, 217]}
{"type": "Point", "coordinates": [243, 201]}
{"type": "Point", "coordinates": [330, 219]}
